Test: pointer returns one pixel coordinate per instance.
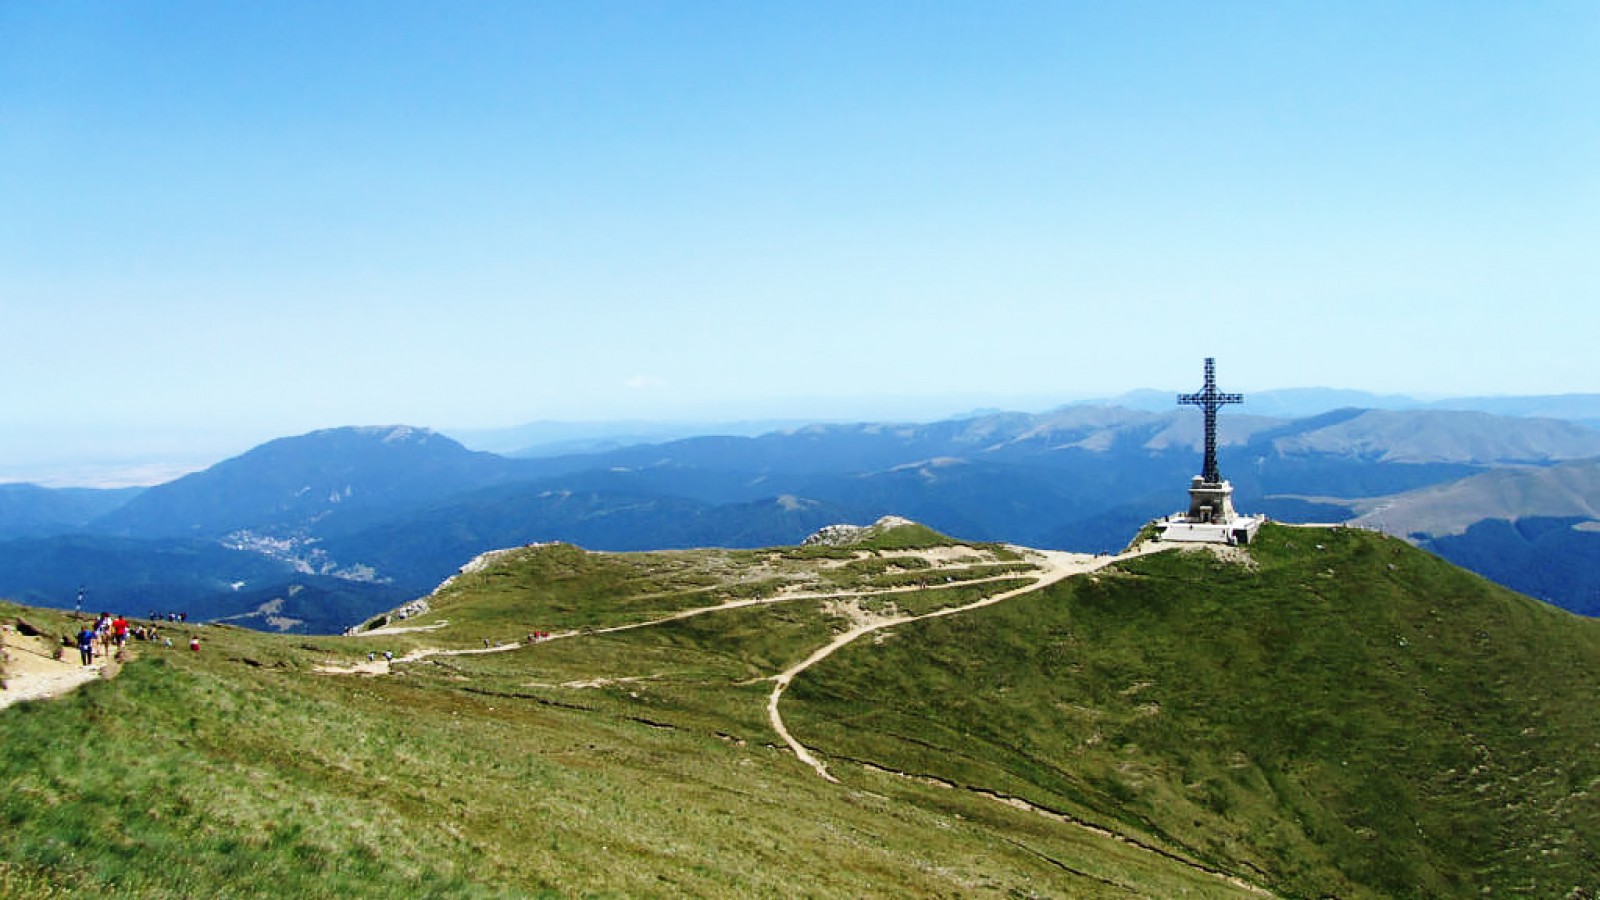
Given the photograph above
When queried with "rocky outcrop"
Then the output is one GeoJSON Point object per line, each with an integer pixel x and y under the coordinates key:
{"type": "Point", "coordinates": [846, 535]}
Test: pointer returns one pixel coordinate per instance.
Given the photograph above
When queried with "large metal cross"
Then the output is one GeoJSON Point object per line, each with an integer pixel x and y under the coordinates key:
{"type": "Point", "coordinates": [1209, 400]}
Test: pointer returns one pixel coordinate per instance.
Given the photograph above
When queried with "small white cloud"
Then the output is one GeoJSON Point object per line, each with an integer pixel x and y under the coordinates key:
{"type": "Point", "coordinates": [644, 382]}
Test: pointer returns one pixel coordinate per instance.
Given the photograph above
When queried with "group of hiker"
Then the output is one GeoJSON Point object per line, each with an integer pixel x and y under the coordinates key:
{"type": "Point", "coordinates": [107, 634]}
{"type": "Point", "coordinates": [534, 637]}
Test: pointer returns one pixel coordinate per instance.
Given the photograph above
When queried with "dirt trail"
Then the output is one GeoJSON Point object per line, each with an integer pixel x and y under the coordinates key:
{"type": "Point", "coordinates": [1066, 563]}
{"type": "Point", "coordinates": [791, 597]}
{"type": "Point", "coordinates": [33, 673]}
{"type": "Point", "coordinates": [1056, 565]}
{"type": "Point", "coordinates": [383, 666]}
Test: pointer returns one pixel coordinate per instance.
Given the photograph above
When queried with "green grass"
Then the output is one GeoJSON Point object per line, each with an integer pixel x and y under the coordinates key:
{"type": "Point", "coordinates": [1358, 719]}
{"type": "Point", "coordinates": [238, 771]}
{"type": "Point", "coordinates": [560, 587]}
{"type": "Point", "coordinates": [876, 538]}
{"type": "Point", "coordinates": [907, 536]}
{"type": "Point", "coordinates": [1350, 717]}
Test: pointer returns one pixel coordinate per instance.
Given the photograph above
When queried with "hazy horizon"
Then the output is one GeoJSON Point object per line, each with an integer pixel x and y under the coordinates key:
{"type": "Point", "coordinates": [133, 456]}
{"type": "Point", "coordinates": [226, 223]}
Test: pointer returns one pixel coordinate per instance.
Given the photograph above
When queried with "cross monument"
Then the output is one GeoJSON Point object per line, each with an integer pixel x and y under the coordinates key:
{"type": "Point", "coordinates": [1210, 400]}
{"type": "Point", "coordinates": [1211, 518]}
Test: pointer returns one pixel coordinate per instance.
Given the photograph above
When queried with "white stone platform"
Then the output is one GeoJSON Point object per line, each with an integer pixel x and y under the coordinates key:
{"type": "Point", "coordinates": [1241, 530]}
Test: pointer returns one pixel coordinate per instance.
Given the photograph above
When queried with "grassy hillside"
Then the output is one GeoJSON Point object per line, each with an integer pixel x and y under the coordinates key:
{"type": "Point", "coordinates": [629, 763]}
{"type": "Point", "coordinates": [1562, 491]}
{"type": "Point", "coordinates": [1270, 728]}
{"type": "Point", "coordinates": [1341, 715]}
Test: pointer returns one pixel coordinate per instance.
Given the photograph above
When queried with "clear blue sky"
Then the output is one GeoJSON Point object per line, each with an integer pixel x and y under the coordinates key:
{"type": "Point", "coordinates": [256, 219]}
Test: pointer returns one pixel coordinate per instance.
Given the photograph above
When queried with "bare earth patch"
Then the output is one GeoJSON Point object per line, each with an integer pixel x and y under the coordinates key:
{"type": "Point", "coordinates": [404, 629]}
{"type": "Point", "coordinates": [33, 673]}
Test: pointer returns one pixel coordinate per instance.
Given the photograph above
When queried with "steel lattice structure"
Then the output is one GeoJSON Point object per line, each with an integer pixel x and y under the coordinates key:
{"type": "Point", "coordinates": [1210, 400]}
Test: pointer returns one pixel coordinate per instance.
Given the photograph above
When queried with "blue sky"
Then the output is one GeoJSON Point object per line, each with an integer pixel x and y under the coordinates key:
{"type": "Point", "coordinates": [224, 222]}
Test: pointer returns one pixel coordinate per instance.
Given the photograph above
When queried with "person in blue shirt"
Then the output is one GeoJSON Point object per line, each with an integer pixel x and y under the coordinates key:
{"type": "Point", "coordinates": [86, 645]}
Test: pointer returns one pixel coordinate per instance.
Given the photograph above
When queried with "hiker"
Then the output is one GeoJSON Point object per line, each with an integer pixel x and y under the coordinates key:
{"type": "Point", "coordinates": [86, 645]}
{"type": "Point", "coordinates": [388, 656]}
{"type": "Point", "coordinates": [485, 643]}
{"type": "Point", "coordinates": [194, 643]}
{"type": "Point", "coordinates": [119, 628]}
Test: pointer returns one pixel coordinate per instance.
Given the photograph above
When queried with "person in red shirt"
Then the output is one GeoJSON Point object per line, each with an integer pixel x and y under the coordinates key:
{"type": "Point", "coordinates": [119, 627]}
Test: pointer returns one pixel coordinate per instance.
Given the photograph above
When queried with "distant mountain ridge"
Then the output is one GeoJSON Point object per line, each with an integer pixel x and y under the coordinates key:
{"type": "Point", "coordinates": [551, 438]}
{"type": "Point", "coordinates": [1295, 403]}
{"type": "Point", "coordinates": [293, 483]}
{"type": "Point", "coordinates": [559, 438]}
{"type": "Point", "coordinates": [1445, 436]}
{"type": "Point", "coordinates": [27, 510]}
{"type": "Point", "coordinates": [1569, 490]}
{"type": "Point", "coordinates": [379, 515]}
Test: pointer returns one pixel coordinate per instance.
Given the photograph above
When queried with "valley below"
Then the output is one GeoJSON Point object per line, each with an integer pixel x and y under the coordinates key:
{"type": "Point", "coordinates": [312, 534]}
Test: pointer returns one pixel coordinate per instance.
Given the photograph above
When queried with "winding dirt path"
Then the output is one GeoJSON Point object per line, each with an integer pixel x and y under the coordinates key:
{"type": "Point", "coordinates": [797, 595]}
{"type": "Point", "coordinates": [385, 666]}
{"type": "Point", "coordinates": [1056, 565]}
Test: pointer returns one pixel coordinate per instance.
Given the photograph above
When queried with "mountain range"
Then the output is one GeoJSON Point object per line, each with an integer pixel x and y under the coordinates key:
{"type": "Point", "coordinates": [1297, 403]}
{"type": "Point", "coordinates": [314, 532]}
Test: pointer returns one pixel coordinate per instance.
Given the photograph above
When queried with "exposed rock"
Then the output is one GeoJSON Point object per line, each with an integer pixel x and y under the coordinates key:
{"type": "Point", "coordinates": [845, 535]}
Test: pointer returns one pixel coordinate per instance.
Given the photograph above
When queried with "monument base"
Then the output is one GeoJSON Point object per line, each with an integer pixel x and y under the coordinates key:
{"type": "Point", "coordinates": [1210, 502]}
{"type": "Point", "coordinates": [1211, 518]}
{"type": "Point", "coordinates": [1178, 529]}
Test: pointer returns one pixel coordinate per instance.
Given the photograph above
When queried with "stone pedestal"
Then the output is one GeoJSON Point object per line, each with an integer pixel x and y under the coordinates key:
{"type": "Point", "coordinates": [1211, 518]}
{"type": "Point", "coordinates": [1210, 502]}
